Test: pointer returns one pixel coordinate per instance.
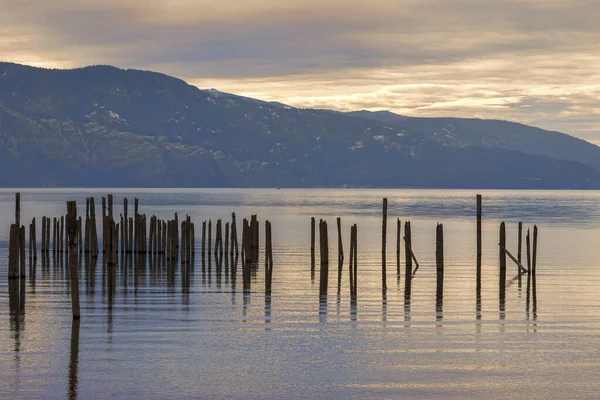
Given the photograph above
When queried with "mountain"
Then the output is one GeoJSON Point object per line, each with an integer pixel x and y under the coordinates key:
{"type": "Point", "coordinates": [487, 133]}
{"type": "Point", "coordinates": [104, 126]}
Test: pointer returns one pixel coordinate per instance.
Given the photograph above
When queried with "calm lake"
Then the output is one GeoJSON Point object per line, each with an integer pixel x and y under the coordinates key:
{"type": "Point", "coordinates": [150, 338]}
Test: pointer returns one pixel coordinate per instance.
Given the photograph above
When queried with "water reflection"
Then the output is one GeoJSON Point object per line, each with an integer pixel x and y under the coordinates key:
{"type": "Point", "coordinates": [74, 360]}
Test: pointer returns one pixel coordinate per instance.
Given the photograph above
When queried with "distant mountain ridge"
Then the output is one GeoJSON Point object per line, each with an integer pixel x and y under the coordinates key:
{"type": "Point", "coordinates": [104, 126]}
{"type": "Point", "coordinates": [496, 133]}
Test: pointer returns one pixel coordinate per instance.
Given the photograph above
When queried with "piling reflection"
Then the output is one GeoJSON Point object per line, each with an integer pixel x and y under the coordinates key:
{"type": "Point", "coordinates": [74, 360]}
{"type": "Point", "coordinates": [323, 308]}
{"type": "Point", "coordinates": [267, 309]}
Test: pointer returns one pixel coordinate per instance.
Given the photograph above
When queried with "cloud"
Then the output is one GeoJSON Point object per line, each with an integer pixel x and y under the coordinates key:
{"type": "Point", "coordinates": [533, 61]}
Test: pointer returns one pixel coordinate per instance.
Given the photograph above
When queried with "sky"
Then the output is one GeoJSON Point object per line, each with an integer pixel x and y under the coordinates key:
{"type": "Point", "coordinates": [531, 61]}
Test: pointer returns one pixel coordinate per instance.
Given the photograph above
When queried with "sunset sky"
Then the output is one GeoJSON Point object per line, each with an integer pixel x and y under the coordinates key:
{"type": "Point", "coordinates": [532, 61]}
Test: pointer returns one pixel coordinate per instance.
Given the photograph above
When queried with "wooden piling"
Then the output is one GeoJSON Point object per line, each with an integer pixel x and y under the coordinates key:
{"type": "Point", "coordinates": [351, 261]}
{"type": "Point", "coordinates": [61, 240]}
{"type": "Point", "coordinates": [534, 254]}
{"type": "Point", "coordinates": [479, 206]}
{"type": "Point", "coordinates": [73, 257]}
{"type": "Point", "coordinates": [268, 259]}
{"type": "Point", "coordinates": [226, 251]}
{"type": "Point", "coordinates": [80, 234]}
{"type": "Point", "coordinates": [43, 244]}
{"type": "Point", "coordinates": [384, 243]}
{"type": "Point", "coordinates": [520, 239]}
{"type": "Point", "coordinates": [355, 259]}
{"type": "Point", "coordinates": [22, 251]}
{"type": "Point", "coordinates": [324, 256]}
{"type": "Point", "coordinates": [502, 261]}
{"type": "Point", "coordinates": [94, 230]}
{"type": "Point", "coordinates": [398, 236]}
{"type": "Point", "coordinates": [312, 244]}
{"type": "Point", "coordinates": [18, 209]}
{"type": "Point", "coordinates": [125, 225]}
{"type": "Point", "coordinates": [110, 206]}
{"type": "Point", "coordinates": [407, 253]}
{"type": "Point", "coordinates": [340, 253]}
{"type": "Point", "coordinates": [234, 237]}
{"type": "Point", "coordinates": [13, 252]}
{"type": "Point", "coordinates": [209, 242]}
{"type": "Point", "coordinates": [439, 260]}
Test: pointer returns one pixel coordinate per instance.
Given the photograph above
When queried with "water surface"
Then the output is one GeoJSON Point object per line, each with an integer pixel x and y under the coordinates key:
{"type": "Point", "coordinates": [154, 336]}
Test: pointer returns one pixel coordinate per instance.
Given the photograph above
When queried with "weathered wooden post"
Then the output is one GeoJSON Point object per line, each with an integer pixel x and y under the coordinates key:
{"type": "Point", "coordinates": [203, 240]}
{"type": "Point", "coordinates": [43, 247]}
{"type": "Point", "coordinates": [246, 255]}
{"type": "Point", "coordinates": [520, 242]}
{"type": "Point", "coordinates": [534, 255]}
{"type": "Point", "coordinates": [502, 262]}
{"type": "Point", "coordinates": [234, 237]}
{"type": "Point", "coordinates": [193, 241]}
{"type": "Point", "coordinates": [94, 232]}
{"type": "Point", "coordinates": [340, 253]}
{"type": "Point", "coordinates": [131, 233]}
{"type": "Point", "coordinates": [268, 259]}
{"type": "Point", "coordinates": [18, 209]}
{"type": "Point", "coordinates": [439, 262]}
{"type": "Point", "coordinates": [209, 243]}
{"type": "Point", "coordinates": [479, 206]}
{"type": "Point", "coordinates": [80, 234]}
{"type": "Point", "coordinates": [104, 227]}
{"type": "Point", "coordinates": [312, 243]}
{"type": "Point", "coordinates": [407, 253]}
{"type": "Point", "coordinates": [324, 254]}
{"type": "Point", "coordinates": [226, 239]}
{"type": "Point", "coordinates": [384, 243]}
{"type": "Point", "coordinates": [48, 235]}
{"type": "Point", "coordinates": [73, 257]}
{"type": "Point", "coordinates": [61, 239]}
{"type": "Point", "coordinates": [351, 261]}
{"type": "Point", "coordinates": [13, 252]}
{"type": "Point", "coordinates": [355, 259]}
{"type": "Point", "coordinates": [398, 235]}
{"type": "Point", "coordinates": [125, 225]}
{"type": "Point", "coordinates": [22, 251]}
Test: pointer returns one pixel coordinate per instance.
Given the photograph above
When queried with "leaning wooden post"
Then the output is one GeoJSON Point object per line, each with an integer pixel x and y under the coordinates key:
{"type": "Point", "coordinates": [384, 243]}
{"type": "Point", "coordinates": [73, 257]}
{"type": "Point", "coordinates": [324, 253]}
{"type": "Point", "coordinates": [312, 244]}
{"type": "Point", "coordinates": [439, 260]}
{"type": "Point", "coordinates": [502, 261]}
